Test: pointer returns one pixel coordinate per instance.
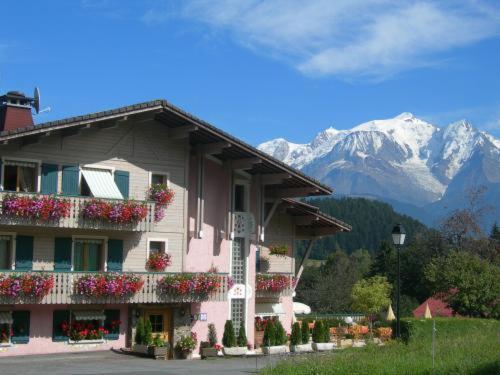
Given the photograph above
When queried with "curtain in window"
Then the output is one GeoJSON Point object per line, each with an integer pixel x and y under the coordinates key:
{"type": "Point", "coordinates": [5, 252]}
{"type": "Point", "coordinates": [87, 255]}
{"type": "Point", "coordinates": [26, 179]}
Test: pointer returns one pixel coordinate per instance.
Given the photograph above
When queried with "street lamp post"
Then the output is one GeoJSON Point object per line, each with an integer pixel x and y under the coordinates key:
{"type": "Point", "coordinates": [398, 238]}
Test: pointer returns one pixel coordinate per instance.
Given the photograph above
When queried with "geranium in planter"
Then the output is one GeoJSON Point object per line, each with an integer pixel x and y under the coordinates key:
{"type": "Point", "coordinates": [158, 261]}
{"type": "Point", "coordinates": [45, 208]}
{"type": "Point", "coordinates": [108, 285]}
{"type": "Point", "coordinates": [272, 282]}
{"type": "Point", "coordinates": [83, 331]}
{"type": "Point", "coordinates": [210, 348]}
{"type": "Point", "coordinates": [127, 212]}
{"type": "Point", "coordinates": [199, 285]}
{"type": "Point", "coordinates": [27, 285]}
{"type": "Point", "coordinates": [186, 345]}
{"type": "Point", "coordinates": [162, 195]}
{"type": "Point", "coordinates": [278, 250]}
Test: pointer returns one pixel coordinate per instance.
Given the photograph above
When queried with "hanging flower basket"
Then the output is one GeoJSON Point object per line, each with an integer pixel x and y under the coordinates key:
{"type": "Point", "coordinates": [279, 250]}
{"type": "Point", "coordinates": [163, 196]}
{"type": "Point", "coordinates": [127, 212]}
{"type": "Point", "coordinates": [46, 208]}
{"type": "Point", "coordinates": [272, 282]}
{"type": "Point", "coordinates": [188, 284]}
{"type": "Point", "coordinates": [29, 285]}
{"type": "Point", "coordinates": [158, 262]}
{"type": "Point", "coordinates": [108, 285]}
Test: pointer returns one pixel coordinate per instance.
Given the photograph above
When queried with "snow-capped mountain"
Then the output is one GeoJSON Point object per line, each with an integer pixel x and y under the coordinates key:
{"type": "Point", "coordinates": [418, 167]}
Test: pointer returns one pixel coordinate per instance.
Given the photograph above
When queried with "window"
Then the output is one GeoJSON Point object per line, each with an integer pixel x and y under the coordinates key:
{"type": "Point", "coordinates": [88, 255]}
{"type": "Point", "coordinates": [5, 252]}
{"type": "Point", "coordinates": [20, 327]}
{"type": "Point", "coordinates": [20, 176]}
{"type": "Point", "coordinates": [156, 323]}
{"type": "Point", "coordinates": [159, 178]}
{"type": "Point", "coordinates": [257, 260]}
{"type": "Point", "coordinates": [156, 247]}
{"type": "Point", "coordinates": [99, 183]}
{"type": "Point", "coordinates": [239, 198]}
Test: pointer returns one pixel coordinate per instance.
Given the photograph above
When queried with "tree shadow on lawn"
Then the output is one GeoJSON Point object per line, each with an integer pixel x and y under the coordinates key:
{"type": "Point", "coordinates": [488, 369]}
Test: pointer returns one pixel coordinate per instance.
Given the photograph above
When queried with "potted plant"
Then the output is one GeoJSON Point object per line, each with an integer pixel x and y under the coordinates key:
{"type": "Point", "coordinates": [158, 348]}
{"type": "Point", "coordinates": [274, 338]}
{"type": "Point", "coordinates": [185, 346]}
{"type": "Point", "coordinates": [210, 348]}
{"type": "Point", "coordinates": [296, 343]}
{"type": "Point", "coordinates": [229, 341]}
{"type": "Point", "coordinates": [321, 337]}
{"type": "Point", "coordinates": [143, 336]}
{"type": "Point", "coordinates": [305, 332]}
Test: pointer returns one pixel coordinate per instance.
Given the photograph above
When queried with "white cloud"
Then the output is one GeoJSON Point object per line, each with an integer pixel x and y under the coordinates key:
{"type": "Point", "coordinates": [347, 37]}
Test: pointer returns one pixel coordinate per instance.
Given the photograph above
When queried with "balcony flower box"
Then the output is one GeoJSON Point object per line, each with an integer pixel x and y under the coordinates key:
{"type": "Point", "coordinates": [199, 285]}
{"type": "Point", "coordinates": [272, 282]}
{"type": "Point", "coordinates": [108, 285]}
{"type": "Point", "coordinates": [302, 348]}
{"type": "Point", "coordinates": [116, 212]}
{"type": "Point", "coordinates": [279, 349]}
{"type": "Point", "coordinates": [162, 195]}
{"type": "Point", "coordinates": [27, 285]}
{"type": "Point", "coordinates": [235, 351]}
{"type": "Point", "coordinates": [323, 346]}
{"type": "Point", "coordinates": [44, 209]}
{"type": "Point", "coordinates": [158, 262]}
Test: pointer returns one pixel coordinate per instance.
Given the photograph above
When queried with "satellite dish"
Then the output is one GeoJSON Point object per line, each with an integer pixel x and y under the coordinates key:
{"type": "Point", "coordinates": [36, 100]}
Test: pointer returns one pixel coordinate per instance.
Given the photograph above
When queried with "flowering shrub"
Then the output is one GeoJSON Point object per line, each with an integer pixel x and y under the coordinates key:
{"type": "Point", "coordinates": [184, 284]}
{"type": "Point", "coordinates": [230, 282]}
{"type": "Point", "coordinates": [46, 208]}
{"type": "Point", "coordinates": [187, 343]}
{"type": "Point", "coordinates": [108, 285]}
{"type": "Point", "coordinates": [281, 250]}
{"type": "Point", "coordinates": [127, 212]}
{"type": "Point", "coordinates": [384, 333]}
{"type": "Point", "coordinates": [162, 195]}
{"type": "Point", "coordinates": [272, 282]}
{"type": "Point", "coordinates": [83, 331]}
{"type": "Point", "coordinates": [26, 285]}
{"type": "Point", "coordinates": [158, 261]}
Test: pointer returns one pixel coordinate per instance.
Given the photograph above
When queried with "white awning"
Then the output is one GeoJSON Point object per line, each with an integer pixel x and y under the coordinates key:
{"type": "Point", "coordinates": [89, 315]}
{"type": "Point", "coordinates": [301, 308]}
{"type": "Point", "coordinates": [101, 183]}
{"type": "Point", "coordinates": [6, 317]}
{"type": "Point", "coordinates": [268, 309]}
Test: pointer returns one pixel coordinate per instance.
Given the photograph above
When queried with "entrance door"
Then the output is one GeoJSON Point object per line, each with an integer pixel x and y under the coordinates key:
{"type": "Point", "coordinates": [160, 322]}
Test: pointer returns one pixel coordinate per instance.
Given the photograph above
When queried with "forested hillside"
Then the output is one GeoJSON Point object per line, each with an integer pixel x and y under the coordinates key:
{"type": "Point", "coordinates": [372, 222]}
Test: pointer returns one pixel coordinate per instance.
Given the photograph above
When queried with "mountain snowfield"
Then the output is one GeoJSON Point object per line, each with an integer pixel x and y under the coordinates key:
{"type": "Point", "coordinates": [421, 169]}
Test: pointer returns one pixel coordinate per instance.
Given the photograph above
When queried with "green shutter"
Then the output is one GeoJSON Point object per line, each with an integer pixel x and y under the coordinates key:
{"type": "Point", "coordinates": [62, 254]}
{"type": "Point", "coordinates": [115, 255]}
{"type": "Point", "coordinates": [49, 179]}
{"type": "Point", "coordinates": [93, 256]}
{"type": "Point", "coordinates": [20, 327]}
{"type": "Point", "coordinates": [112, 315]}
{"type": "Point", "coordinates": [70, 176]}
{"type": "Point", "coordinates": [24, 253]}
{"type": "Point", "coordinates": [122, 181]}
{"type": "Point", "coordinates": [78, 257]}
{"type": "Point", "coordinates": [58, 318]}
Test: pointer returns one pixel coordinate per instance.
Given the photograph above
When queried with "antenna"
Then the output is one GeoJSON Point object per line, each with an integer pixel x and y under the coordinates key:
{"type": "Point", "coordinates": [36, 100]}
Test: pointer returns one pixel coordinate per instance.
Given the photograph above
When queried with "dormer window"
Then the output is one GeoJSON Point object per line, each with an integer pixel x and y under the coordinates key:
{"type": "Point", "coordinates": [20, 176]}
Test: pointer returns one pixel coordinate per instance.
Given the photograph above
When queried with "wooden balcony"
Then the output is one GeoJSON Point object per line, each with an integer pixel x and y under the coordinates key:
{"type": "Point", "coordinates": [75, 218]}
{"type": "Point", "coordinates": [64, 291]}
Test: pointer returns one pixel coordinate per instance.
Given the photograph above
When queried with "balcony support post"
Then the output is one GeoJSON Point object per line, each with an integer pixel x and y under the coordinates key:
{"type": "Point", "coordinates": [304, 259]}
{"type": "Point", "coordinates": [267, 219]}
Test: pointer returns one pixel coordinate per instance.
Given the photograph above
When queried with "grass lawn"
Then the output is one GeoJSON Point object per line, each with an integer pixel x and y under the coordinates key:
{"type": "Point", "coordinates": [463, 346]}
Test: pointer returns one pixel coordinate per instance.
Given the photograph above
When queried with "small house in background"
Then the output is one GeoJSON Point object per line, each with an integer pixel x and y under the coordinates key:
{"type": "Point", "coordinates": [437, 306]}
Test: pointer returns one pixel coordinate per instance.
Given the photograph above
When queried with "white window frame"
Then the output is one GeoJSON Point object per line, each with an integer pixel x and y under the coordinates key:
{"type": "Point", "coordinates": [104, 249]}
{"type": "Point", "coordinates": [150, 177]}
{"type": "Point", "coordinates": [38, 171]}
{"type": "Point", "coordinates": [92, 166]}
{"type": "Point", "coordinates": [12, 248]}
{"type": "Point", "coordinates": [157, 239]}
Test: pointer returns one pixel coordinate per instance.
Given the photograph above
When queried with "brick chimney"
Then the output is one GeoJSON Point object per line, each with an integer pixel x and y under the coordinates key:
{"type": "Point", "coordinates": [15, 111]}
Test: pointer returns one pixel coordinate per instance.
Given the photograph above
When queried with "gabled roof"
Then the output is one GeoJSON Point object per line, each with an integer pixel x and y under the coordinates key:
{"type": "Point", "coordinates": [202, 133]}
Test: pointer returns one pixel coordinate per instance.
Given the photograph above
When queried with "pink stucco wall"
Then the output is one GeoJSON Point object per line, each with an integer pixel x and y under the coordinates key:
{"type": "Point", "coordinates": [41, 333]}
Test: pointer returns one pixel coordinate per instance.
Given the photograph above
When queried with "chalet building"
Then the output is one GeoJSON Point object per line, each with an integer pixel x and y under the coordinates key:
{"type": "Point", "coordinates": [92, 205]}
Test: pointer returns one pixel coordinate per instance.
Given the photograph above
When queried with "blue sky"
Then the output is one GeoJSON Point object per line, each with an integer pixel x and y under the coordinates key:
{"type": "Point", "coordinates": [260, 69]}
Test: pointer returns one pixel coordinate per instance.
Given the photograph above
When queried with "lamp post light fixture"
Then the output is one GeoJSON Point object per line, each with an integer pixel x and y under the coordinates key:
{"type": "Point", "coordinates": [398, 238]}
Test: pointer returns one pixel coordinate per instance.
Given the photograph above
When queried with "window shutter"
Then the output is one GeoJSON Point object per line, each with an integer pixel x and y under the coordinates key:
{"type": "Point", "coordinates": [20, 327]}
{"type": "Point", "coordinates": [58, 318]}
{"type": "Point", "coordinates": [112, 315]}
{"type": "Point", "coordinates": [257, 259]}
{"type": "Point", "coordinates": [122, 181]}
{"type": "Point", "coordinates": [70, 176]}
{"type": "Point", "coordinates": [115, 255]}
{"type": "Point", "coordinates": [24, 253]}
{"type": "Point", "coordinates": [49, 179]}
{"type": "Point", "coordinates": [62, 254]}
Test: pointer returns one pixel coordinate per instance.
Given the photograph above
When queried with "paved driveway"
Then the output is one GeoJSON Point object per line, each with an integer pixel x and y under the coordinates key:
{"type": "Point", "coordinates": [116, 363]}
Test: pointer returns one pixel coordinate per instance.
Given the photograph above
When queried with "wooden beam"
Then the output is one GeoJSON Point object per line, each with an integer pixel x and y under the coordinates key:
{"type": "Point", "coordinates": [304, 231]}
{"type": "Point", "coordinates": [305, 220]}
{"type": "Point", "coordinates": [245, 163]}
{"type": "Point", "coordinates": [271, 212]}
{"type": "Point", "coordinates": [275, 179]}
{"type": "Point", "coordinates": [292, 192]}
{"type": "Point", "coordinates": [305, 257]}
{"type": "Point", "coordinates": [213, 148]}
{"type": "Point", "coordinates": [182, 131]}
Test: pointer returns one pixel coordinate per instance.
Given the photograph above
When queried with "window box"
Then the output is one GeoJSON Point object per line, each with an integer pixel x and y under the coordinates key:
{"type": "Point", "coordinates": [86, 342]}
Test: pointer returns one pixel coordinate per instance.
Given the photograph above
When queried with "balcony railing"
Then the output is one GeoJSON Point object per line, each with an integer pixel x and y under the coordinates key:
{"type": "Point", "coordinates": [75, 218]}
{"type": "Point", "coordinates": [64, 291]}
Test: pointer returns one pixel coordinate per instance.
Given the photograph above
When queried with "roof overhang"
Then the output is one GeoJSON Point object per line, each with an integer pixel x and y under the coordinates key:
{"type": "Point", "coordinates": [279, 179]}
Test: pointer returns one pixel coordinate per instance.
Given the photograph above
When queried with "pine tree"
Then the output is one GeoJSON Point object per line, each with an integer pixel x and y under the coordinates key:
{"type": "Point", "coordinates": [229, 339]}
{"type": "Point", "coordinates": [148, 333]}
{"type": "Point", "coordinates": [305, 331]}
{"type": "Point", "coordinates": [296, 337]}
{"type": "Point", "coordinates": [495, 232]}
{"type": "Point", "coordinates": [212, 335]}
{"type": "Point", "coordinates": [269, 334]}
{"type": "Point", "coordinates": [280, 334]}
{"type": "Point", "coordinates": [242, 336]}
{"type": "Point", "coordinates": [318, 332]}
{"type": "Point", "coordinates": [139, 332]}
